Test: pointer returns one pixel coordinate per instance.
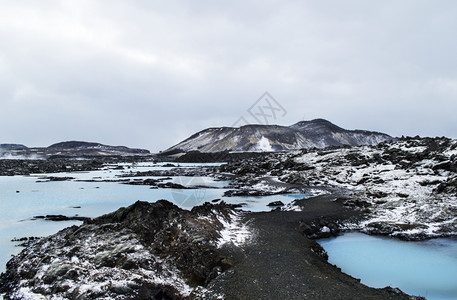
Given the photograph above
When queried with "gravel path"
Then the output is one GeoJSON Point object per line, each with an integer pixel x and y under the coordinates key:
{"type": "Point", "coordinates": [282, 263]}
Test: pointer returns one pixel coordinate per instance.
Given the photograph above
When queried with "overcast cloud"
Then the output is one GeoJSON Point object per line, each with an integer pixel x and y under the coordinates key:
{"type": "Point", "coordinates": [151, 73]}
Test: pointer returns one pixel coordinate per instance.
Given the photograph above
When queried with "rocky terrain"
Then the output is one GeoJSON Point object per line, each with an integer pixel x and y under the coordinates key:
{"type": "Point", "coordinates": [406, 189]}
{"type": "Point", "coordinates": [145, 251]}
{"type": "Point", "coordinates": [71, 149]}
{"type": "Point", "coordinates": [10, 167]}
{"type": "Point", "coordinates": [317, 133]}
{"type": "Point", "coordinates": [71, 156]}
{"type": "Point", "coordinates": [159, 251]}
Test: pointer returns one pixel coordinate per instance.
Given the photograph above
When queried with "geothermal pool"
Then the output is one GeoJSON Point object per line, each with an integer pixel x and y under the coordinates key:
{"type": "Point", "coordinates": [426, 268]}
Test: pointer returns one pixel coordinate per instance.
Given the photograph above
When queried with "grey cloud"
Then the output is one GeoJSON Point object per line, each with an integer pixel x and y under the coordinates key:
{"type": "Point", "coordinates": [148, 73]}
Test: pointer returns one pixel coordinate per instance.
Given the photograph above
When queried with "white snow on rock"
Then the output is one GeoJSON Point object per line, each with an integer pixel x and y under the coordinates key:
{"type": "Point", "coordinates": [233, 231]}
{"type": "Point", "coordinates": [405, 190]}
{"type": "Point", "coordinates": [93, 276]}
{"type": "Point", "coordinates": [266, 187]}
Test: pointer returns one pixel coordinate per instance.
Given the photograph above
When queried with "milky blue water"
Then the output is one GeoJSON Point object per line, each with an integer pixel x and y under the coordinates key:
{"type": "Point", "coordinates": [23, 197]}
{"type": "Point", "coordinates": [427, 268]}
{"type": "Point", "coordinates": [422, 268]}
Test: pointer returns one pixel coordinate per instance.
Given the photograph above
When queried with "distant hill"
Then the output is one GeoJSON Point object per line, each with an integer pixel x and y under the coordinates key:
{"type": "Point", "coordinates": [317, 133]}
{"type": "Point", "coordinates": [74, 144]}
{"type": "Point", "coordinates": [69, 149]}
{"type": "Point", "coordinates": [12, 146]}
{"type": "Point", "coordinates": [80, 148]}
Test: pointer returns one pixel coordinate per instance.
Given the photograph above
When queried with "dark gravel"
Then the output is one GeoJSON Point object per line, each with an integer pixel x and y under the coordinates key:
{"type": "Point", "coordinates": [284, 263]}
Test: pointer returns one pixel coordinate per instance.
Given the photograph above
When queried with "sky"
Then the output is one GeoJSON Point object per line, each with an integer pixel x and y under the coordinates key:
{"type": "Point", "coordinates": [149, 74]}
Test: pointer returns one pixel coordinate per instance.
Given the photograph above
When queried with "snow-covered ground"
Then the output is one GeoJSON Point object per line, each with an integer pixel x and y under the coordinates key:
{"type": "Point", "coordinates": [407, 188]}
{"type": "Point", "coordinates": [398, 182]}
{"type": "Point", "coordinates": [90, 271]}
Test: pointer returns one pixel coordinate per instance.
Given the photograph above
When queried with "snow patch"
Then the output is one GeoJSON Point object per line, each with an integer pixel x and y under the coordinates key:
{"type": "Point", "coordinates": [233, 232]}
{"type": "Point", "coordinates": [291, 207]}
{"type": "Point", "coordinates": [264, 145]}
{"type": "Point", "coordinates": [265, 187]}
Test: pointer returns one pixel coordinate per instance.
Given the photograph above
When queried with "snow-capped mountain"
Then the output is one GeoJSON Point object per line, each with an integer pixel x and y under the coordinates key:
{"type": "Point", "coordinates": [317, 133]}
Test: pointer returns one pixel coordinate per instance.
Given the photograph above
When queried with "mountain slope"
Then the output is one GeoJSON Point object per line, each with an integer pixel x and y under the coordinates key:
{"type": "Point", "coordinates": [317, 133]}
{"type": "Point", "coordinates": [324, 133]}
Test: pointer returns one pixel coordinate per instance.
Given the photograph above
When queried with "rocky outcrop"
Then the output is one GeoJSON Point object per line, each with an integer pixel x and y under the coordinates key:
{"type": "Point", "coordinates": [144, 251]}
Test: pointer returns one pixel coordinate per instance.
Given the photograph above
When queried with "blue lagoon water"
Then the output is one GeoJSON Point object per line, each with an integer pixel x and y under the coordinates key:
{"type": "Point", "coordinates": [23, 197]}
{"type": "Point", "coordinates": [426, 268]}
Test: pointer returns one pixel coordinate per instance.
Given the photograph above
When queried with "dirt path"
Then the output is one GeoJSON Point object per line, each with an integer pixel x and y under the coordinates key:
{"type": "Point", "coordinates": [280, 262]}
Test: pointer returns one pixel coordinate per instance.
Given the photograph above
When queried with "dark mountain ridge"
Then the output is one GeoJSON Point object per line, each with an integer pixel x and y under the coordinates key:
{"type": "Point", "coordinates": [74, 144]}
{"type": "Point", "coordinates": [70, 149]}
{"type": "Point", "coordinates": [12, 146]}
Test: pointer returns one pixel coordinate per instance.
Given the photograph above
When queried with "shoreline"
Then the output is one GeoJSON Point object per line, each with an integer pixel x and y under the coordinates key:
{"type": "Point", "coordinates": [286, 262]}
{"type": "Point", "coordinates": [276, 259]}
{"type": "Point", "coordinates": [405, 190]}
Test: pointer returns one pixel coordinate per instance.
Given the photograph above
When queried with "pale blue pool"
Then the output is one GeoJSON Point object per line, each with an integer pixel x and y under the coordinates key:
{"type": "Point", "coordinates": [426, 268]}
{"type": "Point", "coordinates": [23, 197]}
